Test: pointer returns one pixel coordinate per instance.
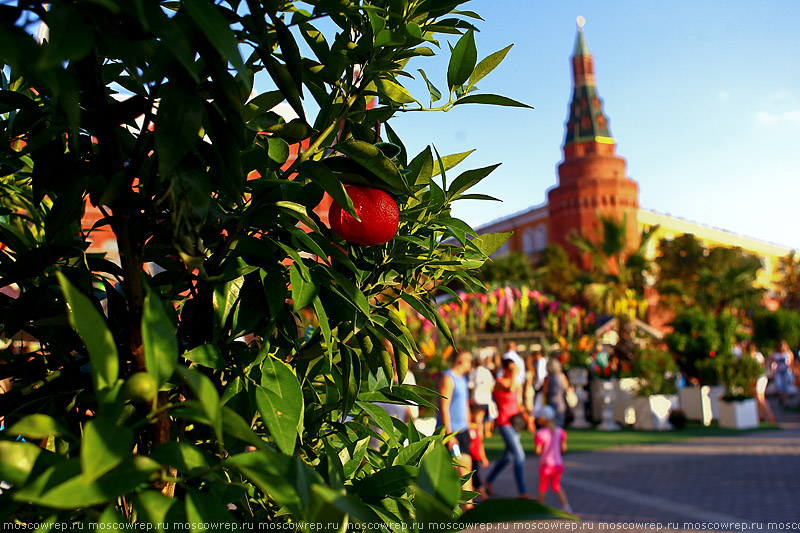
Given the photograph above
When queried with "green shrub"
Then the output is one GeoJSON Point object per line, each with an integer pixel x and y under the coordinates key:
{"type": "Point", "coordinates": [739, 376]}
{"type": "Point", "coordinates": [694, 338]}
{"type": "Point", "coordinates": [657, 370]}
{"type": "Point", "coordinates": [771, 327]}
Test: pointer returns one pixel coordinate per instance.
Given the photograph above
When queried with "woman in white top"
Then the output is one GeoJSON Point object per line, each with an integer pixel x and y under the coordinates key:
{"type": "Point", "coordinates": [764, 410]}
{"type": "Point", "coordinates": [481, 385]}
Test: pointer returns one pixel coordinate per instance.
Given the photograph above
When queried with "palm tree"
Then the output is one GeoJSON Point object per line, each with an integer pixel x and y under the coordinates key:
{"type": "Point", "coordinates": [620, 270]}
{"type": "Point", "coordinates": [789, 285]}
{"type": "Point", "coordinates": [731, 287]}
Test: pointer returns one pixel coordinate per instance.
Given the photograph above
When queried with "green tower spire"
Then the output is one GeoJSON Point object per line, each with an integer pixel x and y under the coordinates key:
{"type": "Point", "coordinates": [580, 43]}
{"type": "Point", "coordinates": [586, 121]}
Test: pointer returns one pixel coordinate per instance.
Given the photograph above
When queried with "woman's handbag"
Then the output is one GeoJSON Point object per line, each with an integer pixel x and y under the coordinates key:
{"type": "Point", "coordinates": [572, 398]}
{"type": "Point", "coordinates": [518, 421]}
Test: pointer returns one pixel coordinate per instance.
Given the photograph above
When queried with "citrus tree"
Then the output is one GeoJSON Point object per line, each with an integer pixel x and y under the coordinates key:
{"type": "Point", "coordinates": [176, 385]}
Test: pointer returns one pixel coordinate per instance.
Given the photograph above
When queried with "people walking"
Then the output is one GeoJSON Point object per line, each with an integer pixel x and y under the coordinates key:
{"type": "Point", "coordinates": [764, 410]}
{"type": "Point", "coordinates": [509, 412]}
{"type": "Point", "coordinates": [551, 442]}
{"type": "Point", "coordinates": [477, 451]}
{"type": "Point", "coordinates": [481, 385]}
{"type": "Point", "coordinates": [519, 367]}
{"type": "Point", "coordinates": [454, 411]}
{"type": "Point", "coordinates": [539, 363]}
{"type": "Point", "coordinates": [555, 389]}
{"type": "Point", "coordinates": [782, 361]}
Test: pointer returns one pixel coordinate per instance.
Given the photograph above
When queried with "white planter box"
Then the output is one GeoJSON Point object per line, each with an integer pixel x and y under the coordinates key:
{"type": "Point", "coordinates": [715, 393]}
{"type": "Point", "coordinates": [738, 415]}
{"type": "Point", "coordinates": [696, 403]}
{"type": "Point", "coordinates": [625, 389]}
{"type": "Point", "coordinates": [652, 412]}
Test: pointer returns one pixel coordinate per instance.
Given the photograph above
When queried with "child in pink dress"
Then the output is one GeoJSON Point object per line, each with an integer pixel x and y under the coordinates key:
{"type": "Point", "coordinates": [551, 442]}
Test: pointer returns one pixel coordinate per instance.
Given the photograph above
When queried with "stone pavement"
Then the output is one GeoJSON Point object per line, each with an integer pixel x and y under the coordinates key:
{"type": "Point", "coordinates": [698, 484]}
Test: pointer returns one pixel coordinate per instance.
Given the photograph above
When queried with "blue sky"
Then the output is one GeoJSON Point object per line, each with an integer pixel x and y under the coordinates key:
{"type": "Point", "coordinates": [703, 99]}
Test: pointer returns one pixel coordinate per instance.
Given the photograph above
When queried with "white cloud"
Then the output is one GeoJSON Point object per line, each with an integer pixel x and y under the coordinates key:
{"type": "Point", "coordinates": [773, 118]}
{"type": "Point", "coordinates": [724, 95]}
{"type": "Point", "coordinates": [782, 94]}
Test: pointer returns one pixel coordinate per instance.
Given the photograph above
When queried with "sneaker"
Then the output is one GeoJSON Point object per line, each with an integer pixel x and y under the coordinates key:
{"type": "Point", "coordinates": [568, 509]}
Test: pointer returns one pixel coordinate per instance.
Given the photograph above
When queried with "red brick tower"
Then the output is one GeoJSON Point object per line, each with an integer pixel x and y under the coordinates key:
{"type": "Point", "coordinates": [591, 178]}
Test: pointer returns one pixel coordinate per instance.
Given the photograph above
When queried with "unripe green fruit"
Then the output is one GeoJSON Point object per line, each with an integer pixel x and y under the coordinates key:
{"type": "Point", "coordinates": [366, 344]}
{"type": "Point", "coordinates": [141, 387]}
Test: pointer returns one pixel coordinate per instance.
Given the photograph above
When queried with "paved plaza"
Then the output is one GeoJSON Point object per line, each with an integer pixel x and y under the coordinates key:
{"type": "Point", "coordinates": [694, 484]}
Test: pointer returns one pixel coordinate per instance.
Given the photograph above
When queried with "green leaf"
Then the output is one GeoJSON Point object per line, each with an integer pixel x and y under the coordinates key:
{"type": "Point", "coordinates": [381, 418]}
{"type": "Point", "coordinates": [110, 517]}
{"type": "Point", "coordinates": [477, 197]}
{"type": "Point", "coordinates": [486, 65]}
{"type": "Point", "coordinates": [17, 460]}
{"type": "Point", "coordinates": [207, 396]}
{"type": "Point", "coordinates": [152, 507]}
{"type": "Point", "coordinates": [426, 309]}
{"type": "Point", "coordinates": [438, 477]}
{"type": "Point", "coordinates": [462, 60]}
{"type": "Point", "coordinates": [316, 41]}
{"type": "Point", "coordinates": [322, 318]}
{"type": "Point", "coordinates": [216, 29]}
{"type": "Point", "coordinates": [185, 457]}
{"type": "Point", "coordinates": [393, 91]}
{"type": "Point", "coordinates": [261, 104]}
{"type": "Point", "coordinates": [412, 452]}
{"type": "Point", "coordinates": [278, 150]}
{"type": "Point", "coordinates": [206, 355]}
{"type": "Point", "coordinates": [509, 510]}
{"type": "Point", "coordinates": [90, 325]}
{"type": "Point", "coordinates": [70, 37]}
{"type": "Point", "coordinates": [178, 124]}
{"type": "Point", "coordinates": [159, 342]}
{"type": "Point", "coordinates": [289, 52]}
{"type": "Point", "coordinates": [203, 510]}
{"type": "Point", "coordinates": [382, 483]}
{"type": "Point", "coordinates": [322, 176]}
{"type": "Point", "coordinates": [103, 447]}
{"type": "Point", "coordinates": [489, 243]}
{"type": "Point", "coordinates": [37, 426]}
{"type": "Point", "coordinates": [283, 79]}
{"type": "Point", "coordinates": [371, 158]}
{"type": "Point", "coordinates": [492, 99]}
{"type": "Point", "coordinates": [236, 426]}
{"type": "Point", "coordinates": [436, 95]}
{"type": "Point", "coordinates": [467, 179]}
{"type": "Point", "coordinates": [303, 290]}
{"type": "Point", "coordinates": [421, 169]}
{"type": "Point", "coordinates": [63, 487]}
{"type": "Point", "coordinates": [267, 470]}
{"type": "Point", "coordinates": [351, 379]}
{"type": "Point", "coordinates": [449, 161]}
{"type": "Point", "coordinates": [280, 402]}
{"type": "Point", "coordinates": [225, 298]}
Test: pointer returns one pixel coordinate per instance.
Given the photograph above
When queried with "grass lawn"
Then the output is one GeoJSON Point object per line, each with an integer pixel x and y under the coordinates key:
{"type": "Point", "coordinates": [585, 440]}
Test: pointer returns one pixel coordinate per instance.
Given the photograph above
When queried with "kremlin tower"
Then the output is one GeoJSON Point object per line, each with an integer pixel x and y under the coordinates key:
{"type": "Point", "coordinates": [591, 178]}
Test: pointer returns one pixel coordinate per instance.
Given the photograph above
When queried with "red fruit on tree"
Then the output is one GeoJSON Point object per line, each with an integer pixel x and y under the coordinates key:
{"type": "Point", "coordinates": [378, 213]}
